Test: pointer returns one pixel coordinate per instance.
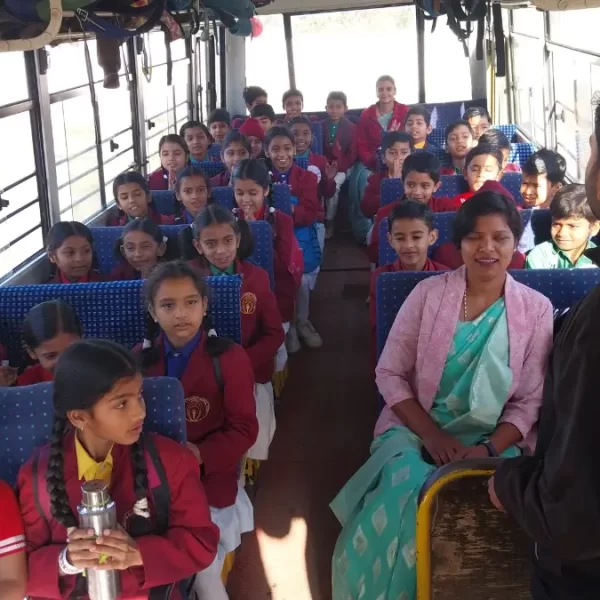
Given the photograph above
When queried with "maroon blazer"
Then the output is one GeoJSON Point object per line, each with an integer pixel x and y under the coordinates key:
{"type": "Point", "coordinates": [121, 219]}
{"type": "Point", "coordinates": [326, 185]}
{"type": "Point", "coordinates": [92, 277]}
{"type": "Point", "coordinates": [304, 185]}
{"type": "Point", "coordinates": [371, 201]}
{"type": "Point", "coordinates": [344, 149]}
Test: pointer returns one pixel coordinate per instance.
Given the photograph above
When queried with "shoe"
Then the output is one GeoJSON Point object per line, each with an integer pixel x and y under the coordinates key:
{"type": "Point", "coordinates": [309, 334]}
{"type": "Point", "coordinates": [329, 230]}
{"type": "Point", "coordinates": [292, 343]}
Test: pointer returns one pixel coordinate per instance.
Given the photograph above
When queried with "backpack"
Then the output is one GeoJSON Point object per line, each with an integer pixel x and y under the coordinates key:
{"type": "Point", "coordinates": [159, 488]}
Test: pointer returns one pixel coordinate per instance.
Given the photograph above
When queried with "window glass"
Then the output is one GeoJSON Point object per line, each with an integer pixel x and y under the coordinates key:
{"type": "Point", "coordinates": [576, 28]}
{"type": "Point", "coordinates": [529, 21]}
{"type": "Point", "coordinates": [12, 67]}
{"type": "Point", "coordinates": [180, 87]}
{"type": "Point", "coordinates": [349, 33]}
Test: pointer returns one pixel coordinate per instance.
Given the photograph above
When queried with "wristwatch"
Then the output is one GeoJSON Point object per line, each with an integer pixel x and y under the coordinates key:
{"type": "Point", "coordinates": [490, 447]}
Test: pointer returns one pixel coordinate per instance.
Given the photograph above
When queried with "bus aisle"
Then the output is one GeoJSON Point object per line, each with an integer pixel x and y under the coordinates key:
{"type": "Point", "coordinates": [288, 556]}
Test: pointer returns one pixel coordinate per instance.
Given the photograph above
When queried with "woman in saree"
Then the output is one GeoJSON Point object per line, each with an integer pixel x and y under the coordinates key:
{"type": "Point", "coordinates": [461, 375]}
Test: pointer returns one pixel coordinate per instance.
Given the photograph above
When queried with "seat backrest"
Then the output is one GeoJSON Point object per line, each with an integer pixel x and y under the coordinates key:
{"type": "Point", "coordinates": [564, 288]}
{"type": "Point", "coordinates": [391, 190]}
{"type": "Point", "coordinates": [262, 233]}
{"type": "Point", "coordinates": [164, 201]}
{"type": "Point", "coordinates": [223, 195]}
{"type": "Point", "coordinates": [512, 183]}
{"type": "Point", "coordinates": [452, 185]}
{"type": "Point", "coordinates": [109, 310]}
{"type": "Point", "coordinates": [520, 152]}
{"type": "Point", "coordinates": [281, 197]}
{"type": "Point", "coordinates": [212, 168]}
{"type": "Point", "coordinates": [27, 415]}
{"type": "Point", "coordinates": [301, 161]}
{"type": "Point", "coordinates": [438, 137]}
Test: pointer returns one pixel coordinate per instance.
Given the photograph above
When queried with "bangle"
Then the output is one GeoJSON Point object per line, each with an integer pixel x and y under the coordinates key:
{"type": "Point", "coordinates": [66, 568]}
{"type": "Point", "coordinates": [490, 448]}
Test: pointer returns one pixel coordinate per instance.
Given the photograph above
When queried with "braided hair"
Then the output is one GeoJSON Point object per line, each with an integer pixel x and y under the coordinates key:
{"type": "Point", "coordinates": [255, 170]}
{"type": "Point", "coordinates": [84, 374]}
{"type": "Point", "coordinates": [177, 269]}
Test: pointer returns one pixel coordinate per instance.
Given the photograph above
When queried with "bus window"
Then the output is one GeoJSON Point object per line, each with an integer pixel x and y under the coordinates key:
{"type": "Point", "coordinates": [369, 42]}
{"type": "Point", "coordinates": [575, 28]}
{"type": "Point", "coordinates": [13, 68]}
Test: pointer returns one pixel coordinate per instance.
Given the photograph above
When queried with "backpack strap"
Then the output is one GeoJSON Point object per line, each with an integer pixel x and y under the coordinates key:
{"type": "Point", "coordinates": [159, 485]}
{"type": "Point", "coordinates": [40, 489]}
{"type": "Point", "coordinates": [218, 374]}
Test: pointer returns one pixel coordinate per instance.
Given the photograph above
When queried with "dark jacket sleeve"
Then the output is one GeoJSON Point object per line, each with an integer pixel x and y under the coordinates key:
{"type": "Point", "coordinates": [555, 495]}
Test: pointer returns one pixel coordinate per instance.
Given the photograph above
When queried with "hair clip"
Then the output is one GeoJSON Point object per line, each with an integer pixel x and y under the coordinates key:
{"type": "Point", "coordinates": [165, 239]}
{"type": "Point", "coordinates": [140, 508]}
{"type": "Point", "coordinates": [146, 345]}
{"type": "Point", "coordinates": [212, 333]}
{"type": "Point", "coordinates": [271, 209]}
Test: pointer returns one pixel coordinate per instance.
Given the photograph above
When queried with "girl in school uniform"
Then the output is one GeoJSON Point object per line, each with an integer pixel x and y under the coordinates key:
{"type": "Point", "coordinates": [309, 229]}
{"type": "Point", "coordinates": [13, 558]}
{"type": "Point", "coordinates": [174, 156]}
{"type": "Point", "coordinates": [459, 141]}
{"type": "Point", "coordinates": [223, 243]}
{"type": "Point", "coordinates": [218, 384]}
{"type": "Point", "coordinates": [192, 192]}
{"type": "Point", "coordinates": [49, 329]}
{"type": "Point", "coordinates": [97, 434]}
{"type": "Point", "coordinates": [199, 141]}
{"type": "Point", "coordinates": [255, 134]}
{"type": "Point", "coordinates": [134, 201]}
{"type": "Point", "coordinates": [141, 247]}
{"type": "Point", "coordinates": [70, 249]}
{"type": "Point", "coordinates": [235, 148]}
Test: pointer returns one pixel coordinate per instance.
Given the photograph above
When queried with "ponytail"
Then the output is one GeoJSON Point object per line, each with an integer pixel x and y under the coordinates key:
{"type": "Point", "coordinates": [215, 345]}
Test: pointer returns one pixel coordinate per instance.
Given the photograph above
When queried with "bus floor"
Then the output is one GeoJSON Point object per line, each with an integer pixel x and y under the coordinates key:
{"type": "Point", "coordinates": [325, 422]}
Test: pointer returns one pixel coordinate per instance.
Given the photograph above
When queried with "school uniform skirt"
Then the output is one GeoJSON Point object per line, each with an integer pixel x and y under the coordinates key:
{"type": "Point", "coordinates": [265, 413]}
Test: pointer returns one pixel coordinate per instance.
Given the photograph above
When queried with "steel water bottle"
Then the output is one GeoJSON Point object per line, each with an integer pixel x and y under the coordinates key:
{"type": "Point", "coordinates": [98, 512]}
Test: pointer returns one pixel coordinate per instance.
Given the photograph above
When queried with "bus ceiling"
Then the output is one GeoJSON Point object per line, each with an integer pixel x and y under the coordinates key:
{"type": "Point", "coordinates": [308, 6]}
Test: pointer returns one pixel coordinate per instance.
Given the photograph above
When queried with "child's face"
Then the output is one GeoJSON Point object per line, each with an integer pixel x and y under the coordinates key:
{"type": "Point", "coordinates": [420, 186]}
{"type": "Point", "coordinates": [265, 123]}
{"type": "Point", "coordinates": [218, 243]}
{"type": "Point", "coordinates": [132, 200]}
{"type": "Point", "coordinates": [197, 142]}
{"type": "Point", "coordinates": [336, 109]}
{"type": "Point", "coordinates": [281, 152]}
{"type": "Point", "coordinates": [256, 145]}
{"type": "Point", "coordinates": [459, 142]}
{"type": "Point", "coordinates": [233, 154]}
{"type": "Point", "coordinates": [193, 194]}
{"type": "Point", "coordinates": [505, 157]}
{"type": "Point", "coordinates": [573, 234]}
{"type": "Point", "coordinates": [302, 137]}
{"type": "Point", "coordinates": [259, 100]}
{"type": "Point", "coordinates": [73, 258]}
{"type": "Point", "coordinates": [386, 91]}
{"type": "Point", "coordinates": [479, 125]}
{"type": "Point", "coordinates": [172, 156]}
{"type": "Point", "coordinates": [179, 308]}
{"type": "Point", "coordinates": [293, 107]}
{"type": "Point", "coordinates": [411, 238]}
{"type": "Point", "coordinates": [141, 250]}
{"type": "Point", "coordinates": [48, 352]}
{"type": "Point", "coordinates": [249, 196]}
{"type": "Point", "coordinates": [417, 128]}
{"type": "Point", "coordinates": [219, 130]}
{"type": "Point", "coordinates": [399, 151]}
{"type": "Point", "coordinates": [538, 191]}
{"type": "Point", "coordinates": [484, 167]}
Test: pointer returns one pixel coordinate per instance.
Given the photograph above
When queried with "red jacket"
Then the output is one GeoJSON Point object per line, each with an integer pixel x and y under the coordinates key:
{"type": "Point", "coordinates": [34, 374]}
{"type": "Point", "coordinates": [450, 255]}
{"type": "Point", "coordinates": [188, 546]}
{"type": "Point", "coordinates": [120, 219]}
{"type": "Point", "coordinates": [220, 180]}
{"type": "Point", "coordinates": [262, 330]}
{"type": "Point", "coordinates": [369, 132]}
{"type": "Point", "coordinates": [304, 185]}
{"type": "Point", "coordinates": [436, 205]}
{"type": "Point", "coordinates": [158, 180]}
{"type": "Point", "coordinates": [326, 185]}
{"type": "Point", "coordinates": [124, 272]}
{"type": "Point", "coordinates": [92, 277]}
{"type": "Point", "coordinates": [371, 201]}
{"type": "Point", "coordinates": [343, 150]}
{"type": "Point", "coordinates": [224, 426]}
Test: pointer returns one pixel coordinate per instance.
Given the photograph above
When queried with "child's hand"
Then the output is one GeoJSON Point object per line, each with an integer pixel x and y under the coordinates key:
{"type": "Point", "coordinates": [116, 550]}
{"type": "Point", "coordinates": [493, 496]}
{"type": "Point", "coordinates": [248, 214]}
{"type": "Point", "coordinates": [81, 548]}
{"type": "Point", "coordinates": [396, 170]}
{"type": "Point", "coordinates": [331, 170]}
{"type": "Point", "coordinates": [8, 376]}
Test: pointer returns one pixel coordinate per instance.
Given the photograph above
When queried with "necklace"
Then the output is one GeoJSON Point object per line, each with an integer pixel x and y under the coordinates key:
{"type": "Point", "coordinates": [465, 305]}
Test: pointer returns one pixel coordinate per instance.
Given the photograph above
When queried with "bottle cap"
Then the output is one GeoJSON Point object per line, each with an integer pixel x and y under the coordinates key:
{"type": "Point", "coordinates": [95, 494]}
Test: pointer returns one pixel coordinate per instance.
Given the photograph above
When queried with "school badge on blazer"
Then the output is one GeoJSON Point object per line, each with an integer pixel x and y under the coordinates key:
{"type": "Point", "coordinates": [196, 409]}
{"type": "Point", "coordinates": [248, 303]}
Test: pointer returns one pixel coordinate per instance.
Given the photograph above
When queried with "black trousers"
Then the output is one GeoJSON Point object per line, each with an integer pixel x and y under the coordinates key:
{"type": "Point", "coordinates": [567, 586]}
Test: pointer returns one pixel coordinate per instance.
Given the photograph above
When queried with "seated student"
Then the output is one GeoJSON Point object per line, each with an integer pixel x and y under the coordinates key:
{"type": "Point", "coordinates": [174, 156]}
{"type": "Point", "coordinates": [395, 147]}
{"type": "Point", "coordinates": [309, 231]}
{"type": "Point", "coordinates": [255, 134]}
{"type": "Point", "coordinates": [141, 247]}
{"type": "Point", "coordinates": [496, 139]}
{"type": "Point", "coordinates": [421, 180]}
{"type": "Point", "coordinates": [543, 175]}
{"type": "Point", "coordinates": [573, 224]}
{"type": "Point", "coordinates": [8, 374]}
{"type": "Point", "coordinates": [13, 547]}
{"type": "Point", "coordinates": [317, 163]}
{"type": "Point", "coordinates": [48, 330]}
{"type": "Point", "coordinates": [459, 141]}
{"type": "Point", "coordinates": [265, 115]}
{"type": "Point", "coordinates": [461, 375]}
{"type": "Point", "coordinates": [293, 104]}
{"type": "Point", "coordinates": [199, 141]}
{"type": "Point", "coordinates": [218, 385]}
{"type": "Point", "coordinates": [254, 95]}
{"type": "Point", "coordinates": [234, 149]}
{"type": "Point", "coordinates": [134, 201]}
{"type": "Point", "coordinates": [97, 435]}
{"type": "Point", "coordinates": [411, 234]}
{"type": "Point", "coordinates": [479, 119]}
{"type": "Point", "coordinates": [192, 192]}
{"type": "Point", "coordinates": [70, 249]}
{"type": "Point", "coordinates": [219, 123]}
{"type": "Point", "coordinates": [448, 254]}
{"type": "Point", "coordinates": [418, 125]}
{"type": "Point", "coordinates": [483, 163]}
{"type": "Point", "coordinates": [339, 148]}
{"type": "Point", "coordinates": [223, 243]}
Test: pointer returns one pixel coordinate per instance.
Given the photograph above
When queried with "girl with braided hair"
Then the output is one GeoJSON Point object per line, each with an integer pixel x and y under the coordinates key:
{"type": "Point", "coordinates": [99, 412]}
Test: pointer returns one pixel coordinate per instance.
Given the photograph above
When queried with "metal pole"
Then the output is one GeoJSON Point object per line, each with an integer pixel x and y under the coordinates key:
{"type": "Point", "coordinates": [287, 27]}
